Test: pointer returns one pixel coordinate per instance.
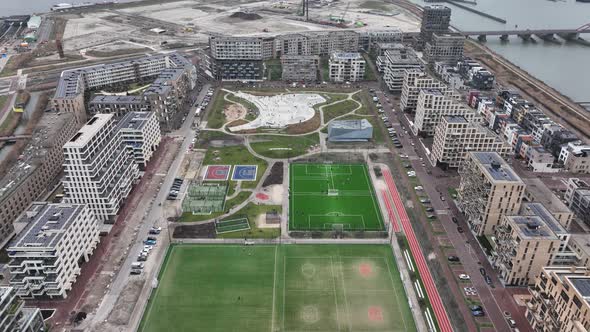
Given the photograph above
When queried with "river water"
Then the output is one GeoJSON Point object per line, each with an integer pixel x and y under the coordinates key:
{"type": "Point", "coordinates": [565, 67]}
{"type": "Point", "coordinates": [24, 7]}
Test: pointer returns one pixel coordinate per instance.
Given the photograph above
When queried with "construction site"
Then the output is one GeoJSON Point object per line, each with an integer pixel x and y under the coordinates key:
{"type": "Point", "coordinates": [153, 26]}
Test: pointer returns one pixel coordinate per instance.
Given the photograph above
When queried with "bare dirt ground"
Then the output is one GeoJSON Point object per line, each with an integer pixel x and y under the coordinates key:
{"type": "Point", "coordinates": [274, 193]}
{"type": "Point", "coordinates": [234, 112]}
{"type": "Point", "coordinates": [261, 222]}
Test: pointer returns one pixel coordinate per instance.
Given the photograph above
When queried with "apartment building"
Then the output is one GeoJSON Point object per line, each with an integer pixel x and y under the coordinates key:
{"type": "Point", "coordinates": [537, 191]}
{"type": "Point", "coordinates": [579, 245]}
{"type": "Point", "coordinates": [540, 160]}
{"type": "Point", "coordinates": [414, 81]}
{"type": "Point", "coordinates": [35, 170]}
{"type": "Point", "coordinates": [99, 169]}
{"type": "Point", "coordinates": [118, 105]}
{"type": "Point", "coordinates": [241, 48]}
{"type": "Point", "coordinates": [74, 84]}
{"type": "Point", "coordinates": [488, 190]}
{"type": "Point", "coordinates": [320, 43]}
{"type": "Point", "coordinates": [140, 132]}
{"type": "Point", "coordinates": [435, 19]}
{"type": "Point", "coordinates": [449, 75]}
{"type": "Point", "coordinates": [577, 197]}
{"type": "Point", "coordinates": [444, 47]}
{"type": "Point", "coordinates": [575, 157]}
{"type": "Point", "coordinates": [555, 136]}
{"type": "Point", "coordinates": [45, 256]}
{"type": "Point", "coordinates": [395, 62]}
{"type": "Point", "coordinates": [456, 135]}
{"type": "Point", "coordinates": [347, 67]}
{"type": "Point", "coordinates": [525, 243]}
{"type": "Point", "coordinates": [560, 300]}
{"type": "Point", "coordinates": [368, 40]}
{"type": "Point", "coordinates": [300, 67]}
{"type": "Point", "coordinates": [14, 316]}
{"type": "Point", "coordinates": [433, 105]}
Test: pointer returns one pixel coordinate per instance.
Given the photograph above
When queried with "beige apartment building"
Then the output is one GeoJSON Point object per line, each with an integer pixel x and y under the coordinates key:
{"type": "Point", "coordinates": [454, 136]}
{"type": "Point", "coordinates": [33, 173]}
{"type": "Point", "coordinates": [489, 189]}
{"type": "Point", "coordinates": [526, 243]}
{"type": "Point", "coordinates": [560, 300]}
{"type": "Point", "coordinates": [415, 80]}
{"type": "Point", "coordinates": [433, 105]}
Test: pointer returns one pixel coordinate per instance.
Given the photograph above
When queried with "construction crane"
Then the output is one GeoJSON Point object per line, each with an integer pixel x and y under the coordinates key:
{"type": "Point", "coordinates": [344, 13]}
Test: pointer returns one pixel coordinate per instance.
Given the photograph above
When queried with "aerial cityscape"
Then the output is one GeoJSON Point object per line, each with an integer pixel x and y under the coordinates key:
{"type": "Point", "coordinates": [294, 165]}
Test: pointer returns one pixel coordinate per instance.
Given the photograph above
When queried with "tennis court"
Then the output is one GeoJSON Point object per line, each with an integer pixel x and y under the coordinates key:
{"type": "Point", "coordinates": [233, 225]}
{"type": "Point", "coordinates": [287, 288]}
{"type": "Point", "coordinates": [204, 198]}
{"type": "Point", "coordinates": [332, 196]}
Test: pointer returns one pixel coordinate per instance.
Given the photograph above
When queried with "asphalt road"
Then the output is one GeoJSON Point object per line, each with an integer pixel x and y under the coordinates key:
{"type": "Point", "coordinates": [494, 300]}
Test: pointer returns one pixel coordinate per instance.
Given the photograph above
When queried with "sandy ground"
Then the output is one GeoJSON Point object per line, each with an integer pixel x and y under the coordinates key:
{"type": "Point", "coordinates": [234, 112]}
{"type": "Point", "coordinates": [275, 194]}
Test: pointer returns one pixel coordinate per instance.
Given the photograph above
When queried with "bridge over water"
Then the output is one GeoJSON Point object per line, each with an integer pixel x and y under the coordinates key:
{"type": "Point", "coordinates": [526, 34]}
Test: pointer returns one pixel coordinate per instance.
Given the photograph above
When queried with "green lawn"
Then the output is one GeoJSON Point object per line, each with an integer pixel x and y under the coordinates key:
{"type": "Point", "coordinates": [278, 288]}
{"type": "Point", "coordinates": [3, 100]}
{"type": "Point", "coordinates": [216, 118]}
{"type": "Point", "coordinates": [312, 207]}
{"type": "Point", "coordinates": [339, 109]}
{"type": "Point", "coordinates": [252, 211]}
{"type": "Point", "coordinates": [368, 106]}
{"type": "Point", "coordinates": [235, 155]}
{"type": "Point", "coordinates": [267, 145]}
{"type": "Point", "coordinates": [275, 69]}
{"type": "Point", "coordinates": [369, 73]}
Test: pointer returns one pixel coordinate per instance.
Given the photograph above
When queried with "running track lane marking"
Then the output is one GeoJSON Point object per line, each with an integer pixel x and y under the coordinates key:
{"type": "Point", "coordinates": [433, 295]}
{"type": "Point", "coordinates": [392, 216]}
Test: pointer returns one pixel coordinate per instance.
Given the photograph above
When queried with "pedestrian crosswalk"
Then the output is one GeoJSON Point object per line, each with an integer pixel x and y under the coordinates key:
{"type": "Point", "coordinates": [4, 87]}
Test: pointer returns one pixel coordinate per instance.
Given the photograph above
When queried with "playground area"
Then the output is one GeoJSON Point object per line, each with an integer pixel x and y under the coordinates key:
{"type": "Point", "coordinates": [279, 111]}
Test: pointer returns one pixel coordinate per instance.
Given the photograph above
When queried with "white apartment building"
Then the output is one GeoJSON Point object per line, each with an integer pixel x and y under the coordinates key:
{"type": "Point", "coordinates": [575, 157]}
{"type": "Point", "coordinates": [44, 256]}
{"type": "Point", "coordinates": [433, 105]}
{"type": "Point", "coordinates": [489, 189]}
{"type": "Point", "coordinates": [140, 132]}
{"type": "Point", "coordinates": [395, 62]}
{"type": "Point", "coordinates": [99, 169]}
{"type": "Point", "coordinates": [347, 67]}
{"type": "Point", "coordinates": [14, 316]}
{"type": "Point", "coordinates": [414, 81]}
{"type": "Point", "coordinates": [456, 135]}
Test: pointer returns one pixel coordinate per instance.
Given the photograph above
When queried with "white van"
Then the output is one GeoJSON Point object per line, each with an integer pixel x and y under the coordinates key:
{"type": "Point", "coordinates": [137, 265]}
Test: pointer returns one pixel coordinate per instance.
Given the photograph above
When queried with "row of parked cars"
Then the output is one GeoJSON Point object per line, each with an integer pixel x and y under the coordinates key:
{"type": "Point", "coordinates": [148, 246]}
{"type": "Point", "coordinates": [175, 189]}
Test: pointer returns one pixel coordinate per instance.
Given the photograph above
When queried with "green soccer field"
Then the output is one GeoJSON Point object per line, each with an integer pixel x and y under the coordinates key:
{"type": "Point", "coordinates": [288, 288]}
{"type": "Point", "coordinates": [332, 196]}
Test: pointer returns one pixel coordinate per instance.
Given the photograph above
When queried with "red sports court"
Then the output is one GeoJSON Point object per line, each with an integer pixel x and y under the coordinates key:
{"type": "Point", "coordinates": [217, 173]}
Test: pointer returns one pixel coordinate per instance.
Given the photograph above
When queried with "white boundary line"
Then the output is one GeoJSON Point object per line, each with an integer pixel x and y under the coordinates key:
{"type": "Point", "coordinates": [395, 290]}
{"type": "Point", "coordinates": [344, 292]}
{"type": "Point", "coordinates": [335, 293]}
{"type": "Point", "coordinates": [207, 171]}
{"type": "Point", "coordinates": [274, 286]}
{"type": "Point", "coordinates": [233, 174]}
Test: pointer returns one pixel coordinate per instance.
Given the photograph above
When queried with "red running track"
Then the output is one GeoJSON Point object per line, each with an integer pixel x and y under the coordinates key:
{"type": "Point", "coordinates": [435, 300]}
{"type": "Point", "coordinates": [392, 217]}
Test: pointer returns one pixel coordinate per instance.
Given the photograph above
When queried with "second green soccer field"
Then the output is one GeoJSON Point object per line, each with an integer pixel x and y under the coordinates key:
{"type": "Point", "coordinates": [332, 196]}
{"type": "Point", "coordinates": [285, 288]}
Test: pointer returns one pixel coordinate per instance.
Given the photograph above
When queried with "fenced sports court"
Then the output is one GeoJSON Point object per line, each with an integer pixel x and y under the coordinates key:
{"type": "Point", "coordinates": [204, 199]}
{"type": "Point", "coordinates": [233, 225]}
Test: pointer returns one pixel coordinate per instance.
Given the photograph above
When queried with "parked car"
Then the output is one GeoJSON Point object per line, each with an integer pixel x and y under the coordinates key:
{"type": "Point", "coordinates": [482, 271]}
{"type": "Point", "coordinates": [453, 259]}
{"type": "Point", "coordinates": [488, 280]}
{"type": "Point", "coordinates": [429, 209]}
{"type": "Point", "coordinates": [134, 271]}
{"type": "Point", "coordinates": [137, 265]}
{"type": "Point", "coordinates": [511, 322]}
{"type": "Point", "coordinates": [149, 243]}
{"type": "Point", "coordinates": [431, 216]}
{"type": "Point", "coordinates": [460, 229]}
{"type": "Point", "coordinates": [142, 258]}
{"type": "Point", "coordinates": [475, 308]}
{"type": "Point", "coordinates": [478, 313]}
{"type": "Point", "coordinates": [464, 276]}
{"type": "Point", "coordinates": [151, 238]}
{"type": "Point", "coordinates": [424, 200]}
{"type": "Point", "coordinates": [418, 188]}
{"type": "Point", "coordinates": [454, 220]}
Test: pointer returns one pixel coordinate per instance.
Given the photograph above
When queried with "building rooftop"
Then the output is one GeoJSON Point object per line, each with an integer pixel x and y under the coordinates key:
{"type": "Point", "coordinates": [495, 167]}
{"type": "Point", "coordinates": [83, 136]}
{"type": "Point", "coordinates": [582, 240]}
{"type": "Point", "coordinates": [42, 140]}
{"type": "Point", "coordinates": [582, 285]}
{"type": "Point", "coordinates": [351, 124]}
{"type": "Point", "coordinates": [347, 56]}
{"type": "Point", "coordinates": [455, 119]}
{"type": "Point", "coordinates": [532, 227]}
{"type": "Point", "coordinates": [538, 209]}
{"type": "Point", "coordinates": [542, 194]}
{"type": "Point", "coordinates": [101, 99]}
{"type": "Point", "coordinates": [47, 223]}
{"type": "Point", "coordinates": [401, 55]}
{"type": "Point", "coordinates": [134, 120]}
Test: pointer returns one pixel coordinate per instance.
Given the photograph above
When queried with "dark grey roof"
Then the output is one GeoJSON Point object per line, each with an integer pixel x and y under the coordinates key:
{"type": "Point", "coordinates": [582, 285]}
{"type": "Point", "coordinates": [134, 120]}
{"type": "Point", "coordinates": [533, 227]}
{"type": "Point", "coordinates": [456, 119]}
{"type": "Point", "coordinates": [496, 167]}
{"type": "Point", "coordinates": [538, 209]}
{"type": "Point", "coordinates": [46, 226]}
{"type": "Point", "coordinates": [100, 99]}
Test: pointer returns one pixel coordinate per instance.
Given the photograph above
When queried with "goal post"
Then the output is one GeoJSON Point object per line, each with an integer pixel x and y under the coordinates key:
{"type": "Point", "coordinates": [332, 192]}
